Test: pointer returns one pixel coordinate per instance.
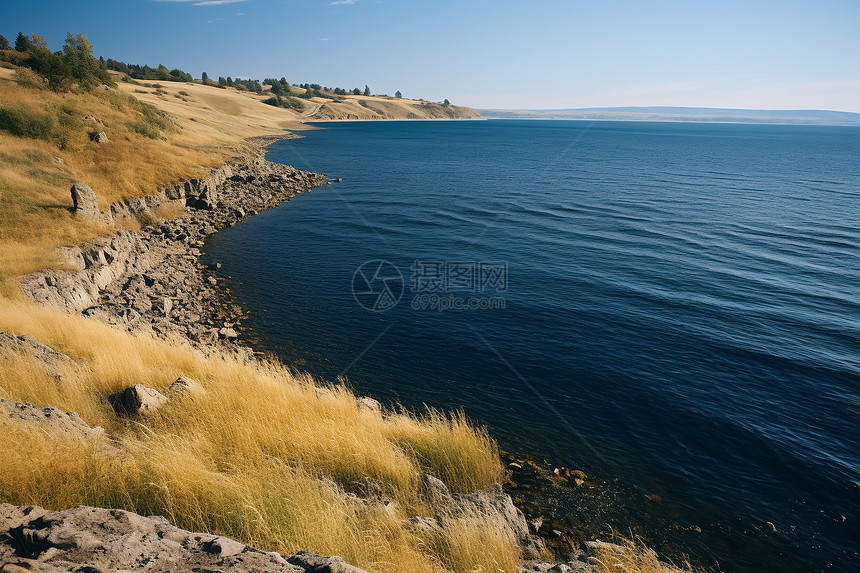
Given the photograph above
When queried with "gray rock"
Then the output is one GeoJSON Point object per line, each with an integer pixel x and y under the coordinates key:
{"type": "Point", "coordinates": [532, 566]}
{"type": "Point", "coordinates": [368, 403]}
{"type": "Point", "coordinates": [84, 202]}
{"type": "Point", "coordinates": [137, 400]}
{"type": "Point", "coordinates": [184, 386]}
{"type": "Point", "coordinates": [52, 361]}
{"type": "Point", "coordinates": [437, 492]}
{"type": "Point", "coordinates": [312, 563]}
{"type": "Point", "coordinates": [88, 539]}
{"type": "Point", "coordinates": [100, 137]}
{"type": "Point", "coordinates": [50, 419]}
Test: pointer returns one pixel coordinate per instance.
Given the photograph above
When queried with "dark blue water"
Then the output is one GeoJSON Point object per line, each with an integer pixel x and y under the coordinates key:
{"type": "Point", "coordinates": [681, 309]}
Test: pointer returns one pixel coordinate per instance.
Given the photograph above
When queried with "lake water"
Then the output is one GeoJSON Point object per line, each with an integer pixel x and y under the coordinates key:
{"type": "Point", "coordinates": [673, 308]}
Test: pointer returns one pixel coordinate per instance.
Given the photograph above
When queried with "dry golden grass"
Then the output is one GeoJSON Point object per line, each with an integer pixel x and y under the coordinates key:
{"type": "Point", "coordinates": [263, 456]}
{"type": "Point", "coordinates": [632, 556]}
{"type": "Point", "coordinates": [35, 175]}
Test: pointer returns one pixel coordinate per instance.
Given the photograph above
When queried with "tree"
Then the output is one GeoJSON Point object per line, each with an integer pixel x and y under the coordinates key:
{"type": "Point", "coordinates": [4, 43]}
{"type": "Point", "coordinates": [82, 66]}
{"type": "Point", "coordinates": [22, 42]}
{"type": "Point", "coordinates": [366, 91]}
{"type": "Point", "coordinates": [446, 103]}
{"type": "Point", "coordinates": [398, 95]}
{"type": "Point", "coordinates": [356, 91]}
{"type": "Point", "coordinates": [205, 79]}
{"type": "Point", "coordinates": [37, 40]}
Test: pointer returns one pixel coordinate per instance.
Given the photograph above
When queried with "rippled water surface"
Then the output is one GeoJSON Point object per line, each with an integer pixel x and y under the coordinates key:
{"type": "Point", "coordinates": [681, 312]}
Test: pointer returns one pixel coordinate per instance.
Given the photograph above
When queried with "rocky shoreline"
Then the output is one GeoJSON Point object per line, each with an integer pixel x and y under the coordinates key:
{"type": "Point", "coordinates": [153, 281]}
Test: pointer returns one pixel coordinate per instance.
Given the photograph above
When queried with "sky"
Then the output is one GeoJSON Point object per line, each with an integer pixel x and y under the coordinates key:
{"type": "Point", "coordinates": [535, 54]}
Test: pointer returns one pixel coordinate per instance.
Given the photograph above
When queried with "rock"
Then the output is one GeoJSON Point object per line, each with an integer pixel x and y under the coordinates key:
{"type": "Point", "coordinates": [50, 419]}
{"type": "Point", "coordinates": [167, 306]}
{"type": "Point", "coordinates": [183, 386]}
{"type": "Point", "coordinates": [224, 546]}
{"type": "Point", "coordinates": [84, 202]}
{"type": "Point", "coordinates": [52, 361]}
{"type": "Point", "coordinates": [312, 563]}
{"type": "Point", "coordinates": [100, 137]}
{"type": "Point", "coordinates": [228, 334]}
{"type": "Point", "coordinates": [436, 491]}
{"type": "Point", "coordinates": [88, 540]}
{"type": "Point", "coordinates": [137, 400]}
{"type": "Point", "coordinates": [368, 403]}
{"type": "Point", "coordinates": [532, 566]}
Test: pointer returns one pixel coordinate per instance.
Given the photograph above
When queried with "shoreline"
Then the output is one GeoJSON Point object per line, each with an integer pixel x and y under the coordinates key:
{"type": "Point", "coordinates": [156, 279]}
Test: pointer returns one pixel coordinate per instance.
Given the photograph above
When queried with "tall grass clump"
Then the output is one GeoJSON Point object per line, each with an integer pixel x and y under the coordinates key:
{"type": "Point", "coordinates": [631, 555]}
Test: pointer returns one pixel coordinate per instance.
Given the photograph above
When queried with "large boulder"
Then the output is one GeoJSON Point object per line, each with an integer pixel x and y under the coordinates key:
{"type": "Point", "coordinates": [137, 400]}
{"type": "Point", "coordinates": [84, 202]}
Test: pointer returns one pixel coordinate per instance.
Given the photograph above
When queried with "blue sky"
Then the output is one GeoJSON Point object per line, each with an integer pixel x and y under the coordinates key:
{"type": "Point", "coordinates": [509, 54]}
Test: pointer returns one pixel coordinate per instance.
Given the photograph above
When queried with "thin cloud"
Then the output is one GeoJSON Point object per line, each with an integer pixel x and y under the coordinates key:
{"type": "Point", "coordinates": [205, 2]}
{"type": "Point", "coordinates": [342, 2]}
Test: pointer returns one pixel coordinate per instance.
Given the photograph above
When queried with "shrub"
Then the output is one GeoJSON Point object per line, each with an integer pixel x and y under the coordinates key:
{"type": "Point", "coordinates": [61, 124]}
{"type": "Point", "coordinates": [4, 43]}
{"type": "Point", "coordinates": [285, 102]}
{"type": "Point", "coordinates": [151, 124]}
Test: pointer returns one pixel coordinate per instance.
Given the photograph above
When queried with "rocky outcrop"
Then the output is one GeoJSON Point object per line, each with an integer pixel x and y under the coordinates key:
{"type": "Point", "coordinates": [94, 266]}
{"type": "Point", "coordinates": [490, 501]}
{"type": "Point", "coordinates": [153, 280]}
{"type": "Point", "coordinates": [50, 419]}
{"type": "Point", "coordinates": [52, 361]}
{"type": "Point", "coordinates": [91, 540]}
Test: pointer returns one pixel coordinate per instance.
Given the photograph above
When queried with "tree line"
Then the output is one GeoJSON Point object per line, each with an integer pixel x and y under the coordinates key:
{"type": "Point", "coordinates": [75, 65]}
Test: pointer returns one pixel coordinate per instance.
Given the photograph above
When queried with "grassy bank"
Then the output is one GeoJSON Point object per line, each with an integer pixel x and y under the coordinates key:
{"type": "Point", "coordinates": [263, 455]}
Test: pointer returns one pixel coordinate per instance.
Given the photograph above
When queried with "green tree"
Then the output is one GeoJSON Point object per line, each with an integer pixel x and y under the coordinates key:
{"type": "Point", "coordinates": [205, 79]}
{"type": "Point", "coordinates": [356, 91]}
{"type": "Point", "coordinates": [82, 66]}
{"type": "Point", "coordinates": [446, 103]}
{"type": "Point", "coordinates": [4, 43]}
{"type": "Point", "coordinates": [398, 95]}
{"type": "Point", "coordinates": [22, 42]}
{"type": "Point", "coordinates": [366, 91]}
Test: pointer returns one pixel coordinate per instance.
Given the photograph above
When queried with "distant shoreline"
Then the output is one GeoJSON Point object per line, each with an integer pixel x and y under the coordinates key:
{"type": "Point", "coordinates": [684, 115]}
